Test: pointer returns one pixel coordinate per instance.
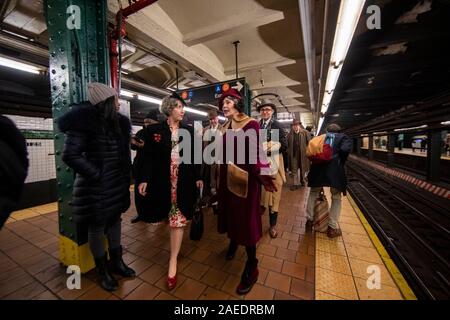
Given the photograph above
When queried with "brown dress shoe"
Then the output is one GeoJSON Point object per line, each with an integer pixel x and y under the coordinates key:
{"type": "Point", "coordinates": [273, 232]}
{"type": "Point", "coordinates": [333, 233]}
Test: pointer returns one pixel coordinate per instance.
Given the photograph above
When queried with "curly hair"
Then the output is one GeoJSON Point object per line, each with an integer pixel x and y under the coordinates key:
{"type": "Point", "coordinates": [168, 104]}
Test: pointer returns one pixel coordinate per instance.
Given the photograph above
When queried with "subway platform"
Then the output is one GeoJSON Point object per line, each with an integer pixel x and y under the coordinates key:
{"type": "Point", "coordinates": [297, 265]}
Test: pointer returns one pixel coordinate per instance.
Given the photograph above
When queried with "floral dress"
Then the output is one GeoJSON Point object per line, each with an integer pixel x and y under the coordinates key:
{"type": "Point", "coordinates": [176, 218]}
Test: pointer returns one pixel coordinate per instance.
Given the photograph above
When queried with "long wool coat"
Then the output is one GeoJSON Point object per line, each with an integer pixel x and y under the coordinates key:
{"type": "Point", "coordinates": [156, 169]}
{"type": "Point", "coordinates": [332, 174]}
{"type": "Point", "coordinates": [13, 167]}
{"type": "Point", "coordinates": [240, 217]}
{"type": "Point", "coordinates": [304, 162]}
{"type": "Point", "coordinates": [272, 199]}
{"type": "Point", "coordinates": [101, 162]}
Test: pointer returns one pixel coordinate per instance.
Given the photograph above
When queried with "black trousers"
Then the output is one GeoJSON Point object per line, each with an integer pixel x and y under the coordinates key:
{"type": "Point", "coordinates": [112, 228]}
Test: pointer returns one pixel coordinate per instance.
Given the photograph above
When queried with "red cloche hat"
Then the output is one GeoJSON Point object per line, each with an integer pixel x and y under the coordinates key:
{"type": "Point", "coordinates": [229, 93]}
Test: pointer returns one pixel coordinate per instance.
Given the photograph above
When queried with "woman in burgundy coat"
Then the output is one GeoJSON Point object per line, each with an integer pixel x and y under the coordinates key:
{"type": "Point", "coordinates": [240, 185]}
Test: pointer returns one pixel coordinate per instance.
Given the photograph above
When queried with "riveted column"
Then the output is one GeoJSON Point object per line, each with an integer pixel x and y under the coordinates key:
{"type": "Point", "coordinates": [358, 145]}
{"type": "Point", "coordinates": [78, 54]}
{"type": "Point", "coordinates": [391, 149]}
{"type": "Point", "coordinates": [370, 151]}
{"type": "Point", "coordinates": [434, 141]}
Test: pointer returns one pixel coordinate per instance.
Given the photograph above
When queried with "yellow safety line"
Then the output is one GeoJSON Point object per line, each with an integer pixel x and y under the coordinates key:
{"type": "Point", "coordinates": [400, 281]}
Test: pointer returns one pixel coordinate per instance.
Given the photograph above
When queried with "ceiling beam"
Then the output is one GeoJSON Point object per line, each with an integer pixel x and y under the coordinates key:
{"type": "Point", "coordinates": [410, 65]}
{"type": "Point", "coordinates": [373, 104]}
{"type": "Point", "coordinates": [292, 96]}
{"type": "Point", "coordinates": [150, 29]}
{"type": "Point", "coordinates": [414, 94]}
{"type": "Point", "coordinates": [232, 25]}
{"type": "Point", "coordinates": [258, 65]}
{"type": "Point", "coordinates": [22, 45]}
{"type": "Point", "coordinates": [386, 87]}
{"type": "Point", "coordinates": [277, 84]}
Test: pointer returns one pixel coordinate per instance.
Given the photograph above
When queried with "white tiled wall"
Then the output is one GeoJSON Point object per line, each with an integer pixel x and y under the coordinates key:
{"type": "Point", "coordinates": [29, 123]}
{"type": "Point", "coordinates": [40, 152]}
{"type": "Point", "coordinates": [42, 160]}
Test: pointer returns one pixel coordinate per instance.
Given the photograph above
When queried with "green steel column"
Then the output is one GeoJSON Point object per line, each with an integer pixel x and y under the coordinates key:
{"type": "Point", "coordinates": [434, 140]}
{"type": "Point", "coordinates": [358, 145]}
{"type": "Point", "coordinates": [391, 149]}
{"type": "Point", "coordinates": [370, 151]}
{"type": "Point", "coordinates": [78, 55]}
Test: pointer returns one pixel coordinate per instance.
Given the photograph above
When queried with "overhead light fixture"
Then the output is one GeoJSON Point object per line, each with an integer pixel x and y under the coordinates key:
{"type": "Point", "coordinates": [149, 99]}
{"type": "Point", "coordinates": [127, 93]}
{"type": "Point", "coordinates": [195, 111]}
{"type": "Point", "coordinates": [19, 65]}
{"type": "Point", "coordinates": [158, 101]}
{"type": "Point", "coordinates": [320, 125]}
{"type": "Point", "coordinates": [349, 13]}
{"type": "Point", "coordinates": [445, 123]}
{"type": "Point", "coordinates": [285, 120]}
{"type": "Point", "coordinates": [412, 128]}
{"type": "Point", "coordinates": [17, 35]}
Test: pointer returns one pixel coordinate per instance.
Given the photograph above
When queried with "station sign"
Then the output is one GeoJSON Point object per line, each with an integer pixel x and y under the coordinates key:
{"type": "Point", "coordinates": [211, 93]}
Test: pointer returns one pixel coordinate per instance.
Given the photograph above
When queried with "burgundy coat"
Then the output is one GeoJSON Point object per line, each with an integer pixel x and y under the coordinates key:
{"type": "Point", "coordinates": [240, 217]}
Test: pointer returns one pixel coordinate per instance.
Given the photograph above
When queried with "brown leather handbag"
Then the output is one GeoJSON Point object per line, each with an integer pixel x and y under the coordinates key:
{"type": "Point", "coordinates": [321, 213]}
{"type": "Point", "coordinates": [237, 180]}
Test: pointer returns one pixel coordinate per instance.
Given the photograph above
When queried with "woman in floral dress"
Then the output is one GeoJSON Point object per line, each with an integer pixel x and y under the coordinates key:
{"type": "Point", "coordinates": [170, 183]}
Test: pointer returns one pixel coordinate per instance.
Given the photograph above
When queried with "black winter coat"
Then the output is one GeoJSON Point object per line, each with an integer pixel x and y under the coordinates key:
{"type": "Point", "coordinates": [156, 168]}
{"type": "Point", "coordinates": [332, 174]}
{"type": "Point", "coordinates": [101, 162]}
{"type": "Point", "coordinates": [139, 154]}
{"type": "Point", "coordinates": [13, 167]}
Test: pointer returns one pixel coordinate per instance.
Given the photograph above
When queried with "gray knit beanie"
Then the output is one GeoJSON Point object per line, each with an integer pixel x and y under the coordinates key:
{"type": "Point", "coordinates": [98, 92]}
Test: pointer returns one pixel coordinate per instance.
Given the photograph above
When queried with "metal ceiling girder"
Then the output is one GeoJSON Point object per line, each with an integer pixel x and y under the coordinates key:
{"type": "Point", "coordinates": [433, 110]}
{"type": "Point", "coordinates": [116, 36]}
{"type": "Point", "coordinates": [361, 48]}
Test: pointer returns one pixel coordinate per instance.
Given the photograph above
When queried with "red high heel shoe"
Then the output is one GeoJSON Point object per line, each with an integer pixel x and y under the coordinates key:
{"type": "Point", "coordinates": [171, 282]}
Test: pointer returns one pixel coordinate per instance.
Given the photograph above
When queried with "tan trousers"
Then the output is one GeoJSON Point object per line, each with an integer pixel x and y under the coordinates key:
{"type": "Point", "coordinates": [272, 199]}
{"type": "Point", "coordinates": [335, 210]}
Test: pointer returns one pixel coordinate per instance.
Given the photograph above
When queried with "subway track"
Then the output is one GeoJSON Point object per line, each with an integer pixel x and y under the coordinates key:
{"type": "Point", "coordinates": [414, 226]}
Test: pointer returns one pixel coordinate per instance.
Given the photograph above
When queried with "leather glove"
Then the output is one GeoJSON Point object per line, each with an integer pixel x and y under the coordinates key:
{"type": "Point", "coordinates": [267, 182]}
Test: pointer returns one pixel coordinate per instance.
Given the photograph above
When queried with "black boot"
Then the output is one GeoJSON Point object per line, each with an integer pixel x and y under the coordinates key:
{"type": "Point", "coordinates": [232, 248]}
{"type": "Point", "coordinates": [249, 277]}
{"type": "Point", "coordinates": [273, 217]}
{"type": "Point", "coordinates": [117, 265]}
{"type": "Point", "coordinates": [106, 279]}
{"type": "Point", "coordinates": [215, 208]}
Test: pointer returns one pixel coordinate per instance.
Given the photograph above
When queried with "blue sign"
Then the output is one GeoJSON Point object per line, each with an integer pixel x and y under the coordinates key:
{"type": "Point", "coordinates": [191, 94]}
{"type": "Point", "coordinates": [218, 88]}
